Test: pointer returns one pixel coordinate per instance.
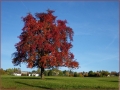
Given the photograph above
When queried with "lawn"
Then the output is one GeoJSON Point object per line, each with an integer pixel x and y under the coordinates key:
{"type": "Point", "coordinates": [58, 83]}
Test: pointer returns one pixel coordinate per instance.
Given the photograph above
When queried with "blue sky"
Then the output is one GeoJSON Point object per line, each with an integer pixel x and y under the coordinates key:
{"type": "Point", "coordinates": [95, 26]}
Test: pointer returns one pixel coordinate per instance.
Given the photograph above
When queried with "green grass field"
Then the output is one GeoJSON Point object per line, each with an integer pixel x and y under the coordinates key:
{"type": "Point", "coordinates": [59, 83]}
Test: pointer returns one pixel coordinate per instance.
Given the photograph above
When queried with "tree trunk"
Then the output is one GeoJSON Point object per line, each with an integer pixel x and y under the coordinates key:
{"type": "Point", "coordinates": [42, 73]}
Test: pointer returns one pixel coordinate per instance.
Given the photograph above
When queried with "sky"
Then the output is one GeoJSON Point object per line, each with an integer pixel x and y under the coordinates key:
{"type": "Point", "coordinates": [95, 26]}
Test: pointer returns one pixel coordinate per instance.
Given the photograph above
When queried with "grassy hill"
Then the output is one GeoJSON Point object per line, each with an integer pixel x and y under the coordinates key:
{"type": "Point", "coordinates": [58, 83]}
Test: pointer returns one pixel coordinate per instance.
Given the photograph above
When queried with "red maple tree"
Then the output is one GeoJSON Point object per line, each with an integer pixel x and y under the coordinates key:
{"type": "Point", "coordinates": [44, 43]}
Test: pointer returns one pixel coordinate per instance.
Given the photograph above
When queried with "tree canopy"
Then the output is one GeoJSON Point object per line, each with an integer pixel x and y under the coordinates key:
{"type": "Point", "coordinates": [45, 42]}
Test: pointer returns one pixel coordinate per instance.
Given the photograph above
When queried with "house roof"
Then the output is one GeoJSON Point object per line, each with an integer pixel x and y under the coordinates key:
{"type": "Point", "coordinates": [24, 72]}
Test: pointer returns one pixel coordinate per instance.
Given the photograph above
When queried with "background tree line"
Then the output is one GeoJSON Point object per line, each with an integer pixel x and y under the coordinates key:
{"type": "Point", "coordinates": [10, 71]}
{"type": "Point", "coordinates": [57, 72]}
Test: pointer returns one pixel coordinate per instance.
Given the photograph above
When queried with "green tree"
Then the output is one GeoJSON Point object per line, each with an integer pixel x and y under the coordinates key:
{"type": "Point", "coordinates": [2, 72]}
{"type": "Point", "coordinates": [64, 72]}
{"type": "Point", "coordinates": [67, 73]}
{"type": "Point", "coordinates": [91, 74]}
{"type": "Point", "coordinates": [46, 72]}
{"type": "Point", "coordinates": [10, 71]}
{"type": "Point", "coordinates": [71, 73]}
{"type": "Point", "coordinates": [114, 73]}
{"type": "Point", "coordinates": [104, 73]}
{"type": "Point", "coordinates": [38, 71]}
{"type": "Point", "coordinates": [50, 73]}
{"type": "Point", "coordinates": [81, 74]}
{"type": "Point", "coordinates": [85, 74]}
{"type": "Point", "coordinates": [75, 74]}
{"type": "Point", "coordinates": [34, 71]}
{"type": "Point", "coordinates": [96, 74]}
{"type": "Point", "coordinates": [60, 73]}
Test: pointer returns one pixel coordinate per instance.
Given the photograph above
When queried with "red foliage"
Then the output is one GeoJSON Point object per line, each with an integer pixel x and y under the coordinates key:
{"type": "Point", "coordinates": [44, 42]}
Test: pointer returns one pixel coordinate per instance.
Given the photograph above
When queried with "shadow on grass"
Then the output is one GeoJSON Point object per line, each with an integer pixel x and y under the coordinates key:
{"type": "Point", "coordinates": [47, 78]}
{"type": "Point", "coordinates": [51, 79]}
{"type": "Point", "coordinates": [42, 87]}
{"type": "Point", "coordinates": [114, 81]}
{"type": "Point", "coordinates": [25, 77]}
{"type": "Point", "coordinates": [109, 80]}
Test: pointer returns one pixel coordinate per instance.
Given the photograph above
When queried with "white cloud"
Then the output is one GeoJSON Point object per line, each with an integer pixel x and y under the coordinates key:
{"type": "Point", "coordinates": [112, 42]}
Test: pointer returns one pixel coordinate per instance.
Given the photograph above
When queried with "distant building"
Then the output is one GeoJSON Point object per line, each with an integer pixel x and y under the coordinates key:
{"type": "Point", "coordinates": [17, 74]}
{"type": "Point", "coordinates": [26, 73]}
{"type": "Point", "coordinates": [23, 73]}
{"type": "Point", "coordinates": [35, 74]}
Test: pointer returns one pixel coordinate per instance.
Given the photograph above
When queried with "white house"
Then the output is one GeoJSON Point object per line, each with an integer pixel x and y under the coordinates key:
{"type": "Point", "coordinates": [17, 74]}
{"type": "Point", "coordinates": [35, 74]}
{"type": "Point", "coordinates": [25, 73]}
{"type": "Point", "coordinates": [29, 74]}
